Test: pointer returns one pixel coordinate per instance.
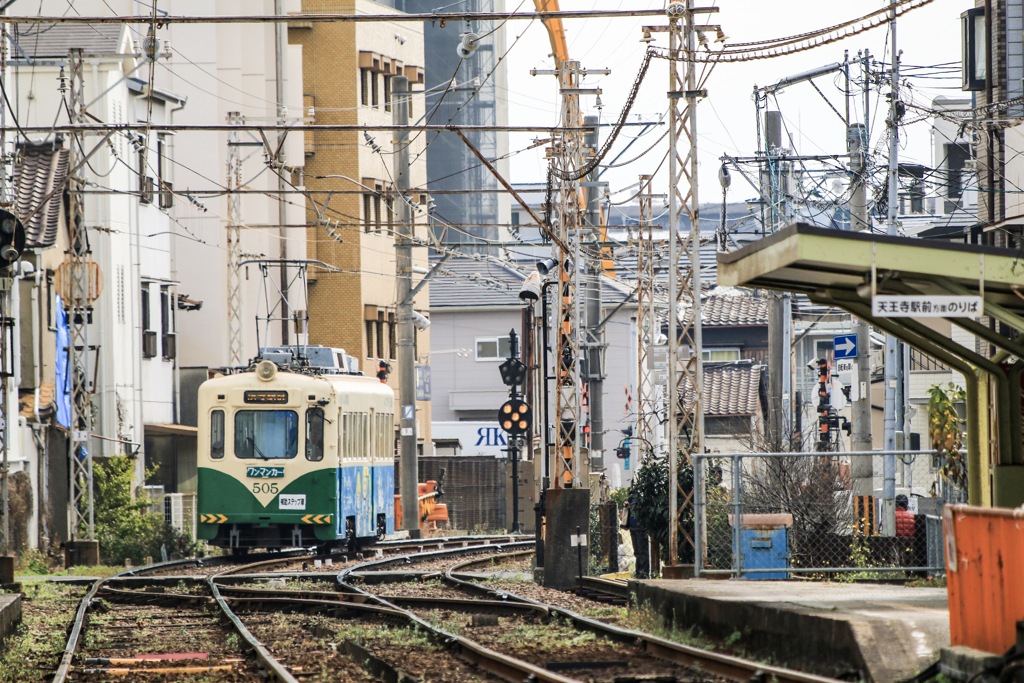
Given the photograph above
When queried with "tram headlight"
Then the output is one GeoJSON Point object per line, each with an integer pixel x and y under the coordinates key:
{"type": "Point", "coordinates": [266, 370]}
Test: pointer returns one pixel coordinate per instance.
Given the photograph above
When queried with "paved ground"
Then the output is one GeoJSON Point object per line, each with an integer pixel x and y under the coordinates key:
{"type": "Point", "coordinates": [881, 632]}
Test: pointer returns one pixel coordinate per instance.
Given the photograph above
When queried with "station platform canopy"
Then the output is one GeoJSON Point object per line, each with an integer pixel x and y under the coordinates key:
{"type": "Point", "coordinates": [903, 286]}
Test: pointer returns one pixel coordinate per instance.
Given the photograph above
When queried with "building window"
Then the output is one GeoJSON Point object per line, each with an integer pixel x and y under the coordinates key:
{"type": "Point", "coordinates": [975, 50]}
{"type": "Point", "coordinates": [145, 180]}
{"type": "Point", "coordinates": [371, 326]}
{"type": "Point", "coordinates": [164, 187]}
{"type": "Point", "coordinates": [367, 211]}
{"type": "Point", "coordinates": [148, 334]}
{"type": "Point", "coordinates": [726, 425]}
{"type": "Point", "coordinates": [389, 207]}
{"type": "Point", "coordinates": [380, 334]}
{"type": "Point", "coordinates": [376, 213]}
{"type": "Point", "coordinates": [957, 154]}
{"type": "Point", "coordinates": [387, 92]}
{"type": "Point", "coordinates": [720, 355]}
{"type": "Point", "coordinates": [375, 86]}
{"type": "Point", "coordinates": [493, 348]}
{"type": "Point", "coordinates": [167, 335]}
{"type": "Point", "coordinates": [392, 336]}
{"type": "Point", "coordinates": [365, 78]}
{"type": "Point", "coordinates": [822, 349]}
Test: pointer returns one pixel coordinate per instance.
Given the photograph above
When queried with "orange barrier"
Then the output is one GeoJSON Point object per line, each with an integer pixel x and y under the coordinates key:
{"type": "Point", "coordinates": [430, 511]}
{"type": "Point", "coordinates": [984, 560]}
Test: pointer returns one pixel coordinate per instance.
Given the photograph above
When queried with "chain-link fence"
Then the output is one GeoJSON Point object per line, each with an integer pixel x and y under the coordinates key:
{"type": "Point", "coordinates": [773, 515]}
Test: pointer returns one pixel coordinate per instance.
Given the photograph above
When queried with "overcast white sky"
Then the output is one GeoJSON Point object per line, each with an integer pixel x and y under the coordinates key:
{"type": "Point", "coordinates": [726, 119]}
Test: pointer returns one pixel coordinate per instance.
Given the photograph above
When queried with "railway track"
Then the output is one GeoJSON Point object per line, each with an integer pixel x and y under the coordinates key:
{"type": "Point", "coordinates": [413, 611]}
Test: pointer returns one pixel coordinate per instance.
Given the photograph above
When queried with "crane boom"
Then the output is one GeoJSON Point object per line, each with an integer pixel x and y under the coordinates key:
{"type": "Point", "coordinates": [559, 50]}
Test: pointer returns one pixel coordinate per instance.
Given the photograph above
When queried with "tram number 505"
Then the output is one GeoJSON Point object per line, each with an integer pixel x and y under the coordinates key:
{"type": "Point", "coordinates": [263, 487]}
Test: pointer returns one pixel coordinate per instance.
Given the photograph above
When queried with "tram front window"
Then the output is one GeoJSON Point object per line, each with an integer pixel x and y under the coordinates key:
{"type": "Point", "coordinates": [266, 434]}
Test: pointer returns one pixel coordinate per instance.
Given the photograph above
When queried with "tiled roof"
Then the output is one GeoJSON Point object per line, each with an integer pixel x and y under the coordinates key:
{"type": "Point", "coordinates": [488, 281]}
{"type": "Point", "coordinates": [469, 282]}
{"type": "Point", "coordinates": [54, 40]}
{"type": "Point", "coordinates": [734, 309]}
{"type": "Point", "coordinates": [729, 388]}
{"type": "Point", "coordinates": [39, 178]}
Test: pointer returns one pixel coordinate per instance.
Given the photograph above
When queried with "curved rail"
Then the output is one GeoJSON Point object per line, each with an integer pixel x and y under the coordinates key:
{"type": "Point", "coordinates": [274, 667]}
{"type": "Point", "coordinates": [498, 664]}
{"type": "Point", "coordinates": [733, 668]}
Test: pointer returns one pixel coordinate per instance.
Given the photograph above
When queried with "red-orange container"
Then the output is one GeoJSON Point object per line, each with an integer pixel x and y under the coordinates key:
{"type": "Point", "coordinates": [984, 564]}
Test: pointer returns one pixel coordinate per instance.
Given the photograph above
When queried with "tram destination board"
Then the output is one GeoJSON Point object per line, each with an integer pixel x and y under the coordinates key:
{"type": "Point", "coordinates": [265, 396]}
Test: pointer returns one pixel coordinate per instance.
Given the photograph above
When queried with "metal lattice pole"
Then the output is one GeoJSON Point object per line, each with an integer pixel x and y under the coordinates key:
{"type": "Point", "coordinates": [685, 376]}
{"type": "Point", "coordinates": [234, 181]}
{"type": "Point", "coordinates": [79, 308]}
{"type": "Point", "coordinates": [647, 326]}
{"type": "Point", "coordinates": [568, 472]}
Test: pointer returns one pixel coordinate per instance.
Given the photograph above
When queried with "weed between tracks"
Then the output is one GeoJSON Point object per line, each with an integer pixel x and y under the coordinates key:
{"type": "Point", "coordinates": [33, 651]}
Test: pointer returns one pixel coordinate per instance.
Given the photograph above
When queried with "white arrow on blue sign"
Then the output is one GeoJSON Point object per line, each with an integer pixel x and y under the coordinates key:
{"type": "Point", "coordinates": [845, 345]}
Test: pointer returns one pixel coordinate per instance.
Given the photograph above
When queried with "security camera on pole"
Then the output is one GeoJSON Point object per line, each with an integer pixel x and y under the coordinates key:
{"type": "Point", "coordinates": [514, 416]}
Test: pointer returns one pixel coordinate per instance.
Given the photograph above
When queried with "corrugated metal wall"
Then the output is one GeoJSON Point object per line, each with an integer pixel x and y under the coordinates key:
{"type": "Point", "coordinates": [474, 490]}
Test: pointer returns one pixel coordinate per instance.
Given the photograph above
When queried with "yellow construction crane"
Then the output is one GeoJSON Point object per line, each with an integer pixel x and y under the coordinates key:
{"type": "Point", "coordinates": [556, 33]}
{"type": "Point", "coordinates": [560, 53]}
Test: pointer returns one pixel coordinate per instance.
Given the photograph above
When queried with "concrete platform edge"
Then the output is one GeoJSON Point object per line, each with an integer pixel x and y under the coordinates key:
{"type": "Point", "coordinates": [826, 644]}
{"type": "Point", "coordinates": [10, 614]}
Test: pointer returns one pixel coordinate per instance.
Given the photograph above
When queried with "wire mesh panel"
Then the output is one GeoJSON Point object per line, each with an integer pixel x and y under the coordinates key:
{"type": "Point", "coordinates": [784, 513]}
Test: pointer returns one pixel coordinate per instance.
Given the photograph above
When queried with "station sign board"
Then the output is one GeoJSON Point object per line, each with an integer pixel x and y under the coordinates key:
{"type": "Point", "coordinates": [926, 306]}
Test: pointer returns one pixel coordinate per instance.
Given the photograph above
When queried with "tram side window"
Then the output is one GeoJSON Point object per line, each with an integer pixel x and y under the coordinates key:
{"type": "Point", "coordinates": [217, 434]}
{"type": "Point", "coordinates": [314, 434]}
{"type": "Point", "coordinates": [346, 436]}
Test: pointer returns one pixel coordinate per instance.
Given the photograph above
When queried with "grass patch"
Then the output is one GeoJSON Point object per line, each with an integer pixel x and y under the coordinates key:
{"type": "Point", "coordinates": [33, 651]}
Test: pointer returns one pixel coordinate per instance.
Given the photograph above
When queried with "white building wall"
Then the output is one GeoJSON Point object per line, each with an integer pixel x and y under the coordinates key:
{"type": "Point", "coordinates": [220, 69]}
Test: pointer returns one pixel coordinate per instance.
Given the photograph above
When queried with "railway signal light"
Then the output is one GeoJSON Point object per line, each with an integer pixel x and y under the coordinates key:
{"type": "Point", "coordinates": [12, 238]}
{"type": "Point", "coordinates": [383, 370]}
{"type": "Point", "coordinates": [513, 372]}
{"type": "Point", "coordinates": [514, 416]}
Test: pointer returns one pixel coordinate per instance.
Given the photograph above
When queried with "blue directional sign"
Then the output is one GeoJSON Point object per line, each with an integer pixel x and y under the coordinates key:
{"type": "Point", "coordinates": [845, 345]}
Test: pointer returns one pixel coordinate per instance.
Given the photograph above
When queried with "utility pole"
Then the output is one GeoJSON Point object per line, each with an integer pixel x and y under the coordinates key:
{"type": "Point", "coordinates": [234, 182]}
{"type": "Point", "coordinates": [568, 471]}
{"type": "Point", "coordinates": [594, 269]}
{"type": "Point", "coordinates": [647, 329]}
{"type": "Point", "coordinates": [408, 459]}
{"type": "Point", "coordinates": [567, 502]}
{"type": "Point", "coordinates": [683, 378]}
{"type": "Point", "coordinates": [860, 468]}
{"type": "Point", "coordinates": [79, 305]}
{"type": "Point", "coordinates": [775, 183]}
{"type": "Point", "coordinates": [893, 355]}
{"type": "Point", "coordinates": [280, 50]}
